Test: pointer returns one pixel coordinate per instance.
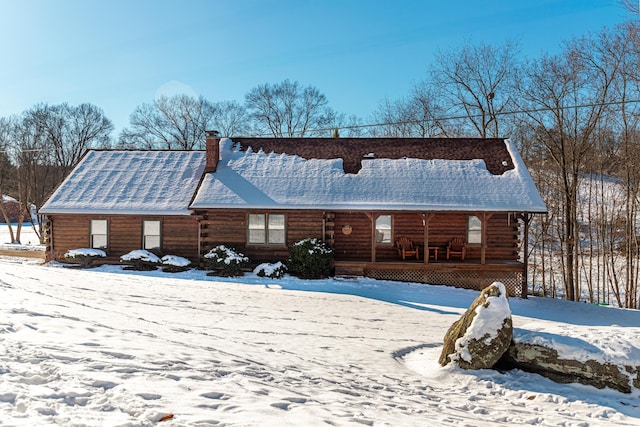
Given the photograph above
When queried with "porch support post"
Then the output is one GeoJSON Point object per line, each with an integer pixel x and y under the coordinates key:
{"type": "Point", "coordinates": [372, 217]}
{"type": "Point", "coordinates": [483, 237]}
{"type": "Point", "coordinates": [425, 222]}
{"type": "Point", "coordinates": [526, 219]}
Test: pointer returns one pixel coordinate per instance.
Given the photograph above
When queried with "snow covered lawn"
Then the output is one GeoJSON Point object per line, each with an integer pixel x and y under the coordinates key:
{"type": "Point", "coordinates": [117, 348]}
{"type": "Point", "coordinates": [28, 237]}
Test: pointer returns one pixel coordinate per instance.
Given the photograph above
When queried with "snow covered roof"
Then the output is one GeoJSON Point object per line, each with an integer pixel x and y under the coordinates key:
{"type": "Point", "coordinates": [245, 178]}
{"type": "Point", "coordinates": [130, 182]}
{"type": "Point", "coordinates": [8, 199]}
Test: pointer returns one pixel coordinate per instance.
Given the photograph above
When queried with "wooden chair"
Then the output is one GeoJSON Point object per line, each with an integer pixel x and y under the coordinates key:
{"type": "Point", "coordinates": [406, 248]}
{"type": "Point", "coordinates": [457, 247]}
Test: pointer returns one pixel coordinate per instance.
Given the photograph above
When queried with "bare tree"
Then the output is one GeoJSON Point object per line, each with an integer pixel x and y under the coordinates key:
{"type": "Point", "coordinates": [624, 48]}
{"type": "Point", "coordinates": [288, 109]}
{"type": "Point", "coordinates": [418, 115]}
{"type": "Point", "coordinates": [7, 172]}
{"type": "Point", "coordinates": [347, 126]}
{"type": "Point", "coordinates": [24, 146]}
{"type": "Point", "coordinates": [230, 119]}
{"type": "Point", "coordinates": [67, 132]}
{"type": "Point", "coordinates": [177, 122]}
{"type": "Point", "coordinates": [45, 143]}
{"type": "Point", "coordinates": [566, 97]}
{"type": "Point", "coordinates": [476, 81]}
{"type": "Point", "coordinates": [632, 6]}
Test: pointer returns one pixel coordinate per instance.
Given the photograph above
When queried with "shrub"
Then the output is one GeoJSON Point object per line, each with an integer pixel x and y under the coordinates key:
{"type": "Point", "coordinates": [272, 271]}
{"type": "Point", "coordinates": [85, 257]}
{"type": "Point", "coordinates": [140, 259]}
{"type": "Point", "coordinates": [310, 259]}
{"type": "Point", "coordinates": [225, 261]}
{"type": "Point", "coordinates": [175, 264]}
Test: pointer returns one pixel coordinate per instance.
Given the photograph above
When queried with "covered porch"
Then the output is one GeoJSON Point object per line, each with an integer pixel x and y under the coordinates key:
{"type": "Point", "coordinates": [369, 244]}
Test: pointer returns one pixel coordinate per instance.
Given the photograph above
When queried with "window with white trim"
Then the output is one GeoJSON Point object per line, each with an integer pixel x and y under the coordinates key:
{"type": "Point", "coordinates": [151, 234]}
{"type": "Point", "coordinates": [383, 229]}
{"type": "Point", "coordinates": [474, 230]}
{"type": "Point", "coordinates": [99, 239]}
{"type": "Point", "coordinates": [266, 229]}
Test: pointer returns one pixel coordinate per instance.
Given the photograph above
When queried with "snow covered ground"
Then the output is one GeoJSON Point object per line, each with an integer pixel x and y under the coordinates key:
{"type": "Point", "coordinates": [118, 348]}
{"type": "Point", "coordinates": [28, 237]}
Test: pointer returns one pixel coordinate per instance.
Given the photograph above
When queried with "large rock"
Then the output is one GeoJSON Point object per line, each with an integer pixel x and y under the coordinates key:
{"type": "Point", "coordinates": [483, 334]}
{"type": "Point", "coordinates": [546, 362]}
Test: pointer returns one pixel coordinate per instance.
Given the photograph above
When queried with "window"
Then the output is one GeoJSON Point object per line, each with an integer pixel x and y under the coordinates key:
{"type": "Point", "coordinates": [383, 229]}
{"type": "Point", "coordinates": [276, 229]}
{"type": "Point", "coordinates": [150, 235]}
{"type": "Point", "coordinates": [474, 230]}
{"type": "Point", "coordinates": [266, 229]}
{"type": "Point", "coordinates": [98, 233]}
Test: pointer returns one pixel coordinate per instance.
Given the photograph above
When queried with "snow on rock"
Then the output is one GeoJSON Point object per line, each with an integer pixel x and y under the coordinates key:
{"type": "Point", "coordinates": [483, 334]}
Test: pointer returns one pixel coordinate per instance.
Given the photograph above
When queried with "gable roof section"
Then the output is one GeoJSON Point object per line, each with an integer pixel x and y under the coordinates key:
{"type": "Point", "coordinates": [376, 174]}
{"type": "Point", "coordinates": [129, 182]}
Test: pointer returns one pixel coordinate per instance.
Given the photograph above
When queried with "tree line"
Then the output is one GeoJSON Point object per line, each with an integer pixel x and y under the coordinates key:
{"type": "Point", "coordinates": [574, 116]}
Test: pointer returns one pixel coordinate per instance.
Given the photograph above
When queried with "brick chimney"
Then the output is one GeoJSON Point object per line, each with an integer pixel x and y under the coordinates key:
{"type": "Point", "coordinates": [213, 151]}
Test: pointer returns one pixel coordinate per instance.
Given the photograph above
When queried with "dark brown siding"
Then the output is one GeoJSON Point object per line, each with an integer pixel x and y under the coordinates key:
{"type": "Point", "coordinates": [501, 235]}
{"type": "Point", "coordinates": [503, 238]}
{"type": "Point", "coordinates": [179, 234]}
{"type": "Point", "coordinates": [229, 227]}
{"type": "Point", "coordinates": [67, 232]}
{"type": "Point", "coordinates": [357, 245]}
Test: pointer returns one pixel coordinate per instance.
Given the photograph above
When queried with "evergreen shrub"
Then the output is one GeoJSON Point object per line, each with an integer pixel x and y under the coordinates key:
{"type": "Point", "coordinates": [310, 259]}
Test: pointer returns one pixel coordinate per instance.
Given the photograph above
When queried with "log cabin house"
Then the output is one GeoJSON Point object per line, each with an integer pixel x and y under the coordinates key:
{"type": "Point", "coordinates": [359, 195]}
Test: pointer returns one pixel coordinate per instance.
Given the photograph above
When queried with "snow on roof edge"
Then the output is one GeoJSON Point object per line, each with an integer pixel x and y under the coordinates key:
{"type": "Point", "coordinates": [523, 171]}
{"type": "Point", "coordinates": [378, 207]}
{"type": "Point", "coordinates": [114, 212]}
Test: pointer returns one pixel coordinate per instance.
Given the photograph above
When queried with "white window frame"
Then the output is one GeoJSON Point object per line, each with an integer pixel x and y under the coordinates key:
{"type": "Point", "coordinates": [474, 230]}
{"type": "Point", "coordinates": [99, 234]}
{"type": "Point", "coordinates": [151, 238]}
{"type": "Point", "coordinates": [384, 231]}
{"type": "Point", "coordinates": [259, 228]}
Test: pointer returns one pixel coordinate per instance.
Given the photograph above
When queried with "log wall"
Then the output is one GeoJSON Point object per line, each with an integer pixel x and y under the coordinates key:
{"type": "Point", "coordinates": [179, 234]}
{"type": "Point", "coordinates": [229, 228]}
